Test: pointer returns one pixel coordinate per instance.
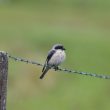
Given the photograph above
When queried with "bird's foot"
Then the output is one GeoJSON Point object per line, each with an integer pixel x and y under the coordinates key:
{"type": "Point", "coordinates": [56, 68]}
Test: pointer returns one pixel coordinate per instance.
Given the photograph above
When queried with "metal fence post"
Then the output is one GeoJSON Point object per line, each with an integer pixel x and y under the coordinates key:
{"type": "Point", "coordinates": [3, 79]}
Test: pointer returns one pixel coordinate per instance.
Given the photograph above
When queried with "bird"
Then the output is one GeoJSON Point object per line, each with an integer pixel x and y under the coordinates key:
{"type": "Point", "coordinates": [54, 58]}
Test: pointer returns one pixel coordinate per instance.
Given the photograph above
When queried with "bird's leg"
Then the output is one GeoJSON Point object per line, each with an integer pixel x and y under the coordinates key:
{"type": "Point", "coordinates": [56, 68]}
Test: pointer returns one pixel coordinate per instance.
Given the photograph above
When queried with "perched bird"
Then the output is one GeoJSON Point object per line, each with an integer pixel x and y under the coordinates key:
{"type": "Point", "coordinates": [55, 56]}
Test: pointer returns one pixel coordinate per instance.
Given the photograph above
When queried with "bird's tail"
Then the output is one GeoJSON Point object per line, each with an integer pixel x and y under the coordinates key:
{"type": "Point", "coordinates": [44, 72]}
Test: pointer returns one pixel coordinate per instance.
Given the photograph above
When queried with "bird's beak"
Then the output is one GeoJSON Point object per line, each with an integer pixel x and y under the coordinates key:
{"type": "Point", "coordinates": [64, 49]}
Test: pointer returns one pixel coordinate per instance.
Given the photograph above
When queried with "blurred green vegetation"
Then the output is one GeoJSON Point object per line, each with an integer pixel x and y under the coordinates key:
{"type": "Point", "coordinates": [29, 29]}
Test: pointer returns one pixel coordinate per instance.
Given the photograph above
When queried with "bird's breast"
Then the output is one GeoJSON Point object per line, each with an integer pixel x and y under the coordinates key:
{"type": "Point", "coordinates": [57, 58]}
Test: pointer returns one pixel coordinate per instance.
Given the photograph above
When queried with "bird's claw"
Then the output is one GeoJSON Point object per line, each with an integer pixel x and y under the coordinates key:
{"type": "Point", "coordinates": [56, 68]}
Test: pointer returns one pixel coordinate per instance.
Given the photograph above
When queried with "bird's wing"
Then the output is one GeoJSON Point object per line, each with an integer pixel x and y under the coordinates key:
{"type": "Point", "coordinates": [50, 54]}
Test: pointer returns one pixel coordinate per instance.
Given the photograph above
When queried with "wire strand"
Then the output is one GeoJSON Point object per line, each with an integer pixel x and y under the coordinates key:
{"type": "Point", "coordinates": [59, 68]}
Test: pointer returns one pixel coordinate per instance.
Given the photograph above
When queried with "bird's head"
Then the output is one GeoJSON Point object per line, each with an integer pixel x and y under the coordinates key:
{"type": "Point", "coordinates": [58, 46]}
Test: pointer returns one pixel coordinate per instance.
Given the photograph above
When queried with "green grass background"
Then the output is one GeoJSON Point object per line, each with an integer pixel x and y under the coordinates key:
{"type": "Point", "coordinates": [30, 28]}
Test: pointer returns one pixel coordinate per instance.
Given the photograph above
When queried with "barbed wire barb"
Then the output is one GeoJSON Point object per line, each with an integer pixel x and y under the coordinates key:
{"type": "Point", "coordinates": [59, 69]}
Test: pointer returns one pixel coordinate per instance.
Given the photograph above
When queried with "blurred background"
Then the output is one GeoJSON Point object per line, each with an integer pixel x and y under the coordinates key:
{"type": "Point", "coordinates": [29, 28]}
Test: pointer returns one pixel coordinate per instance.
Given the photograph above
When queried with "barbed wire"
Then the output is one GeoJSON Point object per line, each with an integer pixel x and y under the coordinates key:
{"type": "Point", "coordinates": [59, 69]}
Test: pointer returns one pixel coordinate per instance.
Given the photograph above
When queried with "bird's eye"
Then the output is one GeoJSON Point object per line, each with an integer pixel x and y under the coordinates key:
{"type": "Point", "coordinates": [60, 47]}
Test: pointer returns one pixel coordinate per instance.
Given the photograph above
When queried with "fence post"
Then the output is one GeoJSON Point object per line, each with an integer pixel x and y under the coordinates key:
{"type": "Point", "coordinates": [3, 79]}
